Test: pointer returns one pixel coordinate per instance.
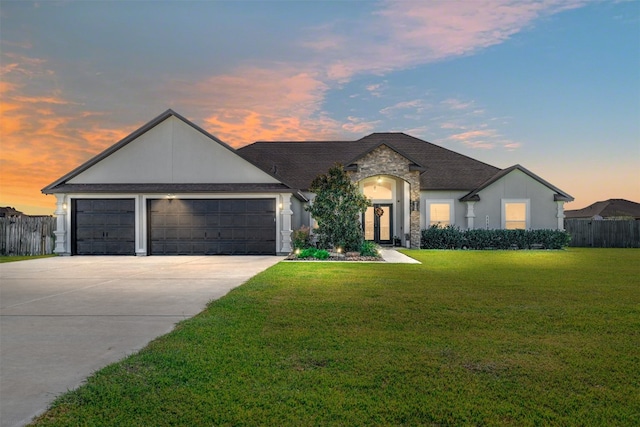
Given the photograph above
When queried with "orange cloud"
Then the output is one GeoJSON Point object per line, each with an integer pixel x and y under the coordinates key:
{"type": "Point", "coordinates": [484, 139]}
{"type": "Point", "coordinates": [357, 125]}
{"type": "Point", "coordinates": [41, 100]}
{"type": "Point", "coordinates": [282, 103]}
{"type": "Point", "coordinates": [41, 137]}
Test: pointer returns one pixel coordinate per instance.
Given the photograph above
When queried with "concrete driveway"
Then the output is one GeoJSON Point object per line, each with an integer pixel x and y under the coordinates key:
{"type": "Point", "coordinates": [63, 318]}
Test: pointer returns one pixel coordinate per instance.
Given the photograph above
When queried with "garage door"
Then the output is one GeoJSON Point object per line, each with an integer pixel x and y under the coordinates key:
{"type": "Point", "coordinates": [103, 227]}
{"type": "Point", "coordinates": [212, 226]}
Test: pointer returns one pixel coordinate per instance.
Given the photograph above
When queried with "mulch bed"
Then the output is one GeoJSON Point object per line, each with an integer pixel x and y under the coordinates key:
{"type": "Point", "coordinates": [294, 257]}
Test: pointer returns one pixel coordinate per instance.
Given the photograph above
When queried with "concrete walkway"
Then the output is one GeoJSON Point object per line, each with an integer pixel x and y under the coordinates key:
{"type": "Point", "coordinates": [63, 318]}
{"type": "Point", "coordinates": [393, 256]}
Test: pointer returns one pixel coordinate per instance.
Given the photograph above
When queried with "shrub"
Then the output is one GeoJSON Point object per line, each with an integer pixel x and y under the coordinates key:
{"type": "Point", "coordinates": [301, 238]}
{"type": "Point", "coordinates": [368, 248]}
{"type": "Point", "coordinates": [436, 237]}
{"type": "Point", "coordinates": [313, 253]}
{"type": "Point", "coordinates": [307, 253]}
{"type": "Point", "coordinates": [322, 254]}
{"type": "Point", "coordinates": [453, 238]}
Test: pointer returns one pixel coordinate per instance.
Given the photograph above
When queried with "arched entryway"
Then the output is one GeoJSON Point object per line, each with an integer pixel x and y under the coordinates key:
{"type": "Point", "coordinates": [389, 164]}
{"type": "Point", "coordinates": [379, 220]}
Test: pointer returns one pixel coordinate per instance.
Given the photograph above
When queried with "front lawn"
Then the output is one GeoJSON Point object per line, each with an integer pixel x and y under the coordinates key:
{"type": "Point", "coordinates": [466, 338]}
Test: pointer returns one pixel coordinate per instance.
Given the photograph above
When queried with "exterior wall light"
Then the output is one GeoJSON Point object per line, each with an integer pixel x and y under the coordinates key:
{"type": "Point", "coordinates": [64, 206]}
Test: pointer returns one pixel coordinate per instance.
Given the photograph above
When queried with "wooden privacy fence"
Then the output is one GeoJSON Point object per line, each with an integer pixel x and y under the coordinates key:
{"type": "Point", "coordinates": [603, 233]}
{"type": "Point", "coordinates": [27, 235]}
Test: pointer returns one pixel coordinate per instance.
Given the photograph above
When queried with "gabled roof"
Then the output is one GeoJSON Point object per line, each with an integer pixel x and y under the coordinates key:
{"type": "Point", "coordinates": [298, 163]}
{"type": "Point", "coordinates": [413, 166]}
{"type": "Point", "coordinates": [62, 185]}
{"type": "Point", "coordinates": [474, 196]}
{"type": "Point", "coordinates": [612, 208]}
{"type": "Point", "coordinates": [294, 165]}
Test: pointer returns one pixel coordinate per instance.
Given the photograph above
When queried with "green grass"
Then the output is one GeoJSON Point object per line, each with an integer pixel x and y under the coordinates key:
{"type": "Point", "coordinates": [520, 338]}
{"type": "Point", "coordinates": [13, 258]}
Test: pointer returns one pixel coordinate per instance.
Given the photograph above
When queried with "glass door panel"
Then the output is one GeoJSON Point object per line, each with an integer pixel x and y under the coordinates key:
{"type": "Point", "coordinates": [385, 223]}
{"type": "Point", "coordinates": [369, 226]}
{"type": "Point", "coordinates": [378, 223]}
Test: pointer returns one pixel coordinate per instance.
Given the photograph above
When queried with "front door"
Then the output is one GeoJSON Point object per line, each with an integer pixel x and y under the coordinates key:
{"type": "Point", "coordinates": [377, 222]}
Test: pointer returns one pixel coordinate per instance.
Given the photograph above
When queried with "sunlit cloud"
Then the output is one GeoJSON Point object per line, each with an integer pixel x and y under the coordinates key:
{"type": "Point", "coordinates": [279, 103]}
{"type": "Point", "coordinates": [43, 135]}
{"type": "Point", "coordinates": [399, 35]}
{"type": "Point", "coordinates": [456, 104]}
{"type": "Point", "coordinates": [376, 89]}
{"type": "Point", "coordinates": [415, 105]}
{"type": "Point", "coordinates": [485, 139]}
{"type": "Point", "coordinates": [475, 138]}
{"type": "Point", "coordinates": [449, 125]}
{"type": "Point", "coordinates": [357, 125]}
{"type": "Point", "coordinates": [42, 100]}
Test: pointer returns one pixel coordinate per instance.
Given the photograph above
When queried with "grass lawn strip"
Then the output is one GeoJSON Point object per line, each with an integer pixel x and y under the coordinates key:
{"type": "Point", "coordinates": [14, 258]}
{"type": "Point", "coordinates": [465, 338]}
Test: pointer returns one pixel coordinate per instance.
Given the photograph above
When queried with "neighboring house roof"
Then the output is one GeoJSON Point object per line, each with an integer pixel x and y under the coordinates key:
{"type": "Point", "coordinates": [473, 195]}
{"type": "Point", "coordinates": [298, 163]}
{"type": "Point", "coordinates": [612, 208]}
{"type": "Point", "coordinates": [6, 212]}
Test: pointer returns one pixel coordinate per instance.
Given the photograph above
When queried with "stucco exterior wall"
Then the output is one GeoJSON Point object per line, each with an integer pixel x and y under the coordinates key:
{"type": "Point", "coordinates": [459, 210]}
{"type": "Point", "coordinates": [517, 185]}
{"type": "Point", "coordinates": [172, 152]}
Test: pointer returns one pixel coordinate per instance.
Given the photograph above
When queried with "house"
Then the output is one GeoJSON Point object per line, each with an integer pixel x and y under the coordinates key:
{"type": "Point", "coordinates": [607, 209]}
{"type": "Point", "coordinates": [172, 188]}
{"type": "Point", "coordinates": [9, 212]}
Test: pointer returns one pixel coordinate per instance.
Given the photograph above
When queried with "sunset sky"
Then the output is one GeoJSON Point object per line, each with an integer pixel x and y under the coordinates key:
{"type": "Point", "coordinates": [551, 85]}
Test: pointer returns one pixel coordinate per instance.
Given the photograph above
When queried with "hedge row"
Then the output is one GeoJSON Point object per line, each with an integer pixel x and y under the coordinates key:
{"type": "Point", "coordinates": [452, 237]}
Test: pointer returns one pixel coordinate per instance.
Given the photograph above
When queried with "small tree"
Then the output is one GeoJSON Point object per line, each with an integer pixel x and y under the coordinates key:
{"type": "Point", "coordinates": [301, 238]}
{"type": "Point", "coordinates": [337, 209]}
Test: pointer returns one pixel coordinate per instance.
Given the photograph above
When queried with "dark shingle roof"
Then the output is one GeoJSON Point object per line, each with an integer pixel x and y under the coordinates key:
{"type": "Point", "coordinates": [607, 209]}
{"type": "Point", "coordinates": [298, 163]}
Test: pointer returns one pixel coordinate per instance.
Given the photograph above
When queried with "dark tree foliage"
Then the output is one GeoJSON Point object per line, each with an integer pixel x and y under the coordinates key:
{"type": "Point", "coordinates": [337, 209]}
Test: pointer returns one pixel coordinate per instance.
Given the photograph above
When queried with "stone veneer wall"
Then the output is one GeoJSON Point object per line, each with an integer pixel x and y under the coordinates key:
{"type": "Point", "coordinates": [385, 161]}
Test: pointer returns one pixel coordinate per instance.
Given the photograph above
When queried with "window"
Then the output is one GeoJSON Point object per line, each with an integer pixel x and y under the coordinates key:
{"type": "Point", "coordinates": [515, 214]}
{"type": "Point", "coordinates": [440, 212]}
